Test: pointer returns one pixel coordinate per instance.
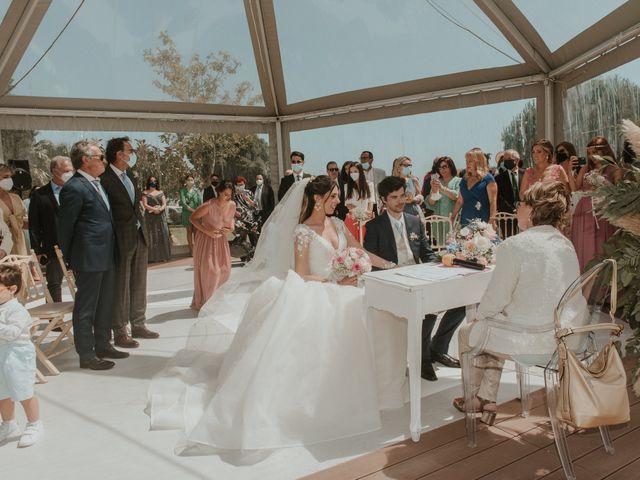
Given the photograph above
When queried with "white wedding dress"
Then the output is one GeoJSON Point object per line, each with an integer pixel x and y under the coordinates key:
{"type": "Point", "coordinates": [274, 361]}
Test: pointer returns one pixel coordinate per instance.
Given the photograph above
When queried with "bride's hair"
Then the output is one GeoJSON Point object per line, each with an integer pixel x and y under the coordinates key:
{"type": "Point", "coordinates": [320, 185]}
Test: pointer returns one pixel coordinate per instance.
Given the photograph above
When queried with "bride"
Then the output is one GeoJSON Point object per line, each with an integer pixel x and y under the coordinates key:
{"type": "Point", "coordinates": [278, 357]}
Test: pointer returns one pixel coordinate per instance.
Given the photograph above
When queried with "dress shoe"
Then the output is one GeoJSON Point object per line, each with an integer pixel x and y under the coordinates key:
{"type": "Point", "coordinates": [96, 364]}
{"type": "Point", "coordinates": [444, 359]}
{"type": "Point", "coordinates": [143, 332]}
{"type": "Point", "coordinates": [111, 352]}
{"type": "Point", "coordinates": [428, 372]}
{"type": "Point", "coordinates": [125, 341]}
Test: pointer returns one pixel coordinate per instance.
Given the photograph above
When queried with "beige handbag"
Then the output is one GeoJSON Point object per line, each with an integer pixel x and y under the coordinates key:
{"type": "Point", "coordinates": [595, 394]}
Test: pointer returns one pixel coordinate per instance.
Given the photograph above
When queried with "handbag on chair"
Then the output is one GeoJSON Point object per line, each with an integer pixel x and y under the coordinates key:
{"type": "Point", "coordinates": [592, 395]}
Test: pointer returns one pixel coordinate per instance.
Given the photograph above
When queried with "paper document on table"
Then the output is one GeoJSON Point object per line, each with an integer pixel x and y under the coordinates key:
{"type": "Point", "coordinates": [433, 273]}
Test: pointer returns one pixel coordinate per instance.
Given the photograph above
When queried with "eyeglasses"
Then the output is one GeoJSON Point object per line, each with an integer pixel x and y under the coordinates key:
{"type": "Point", "coordinates": [333, 169]}
{"type": "Point", "coordinates": [101, 156]}
{"type": "Point", "coordinates": [444, 165]}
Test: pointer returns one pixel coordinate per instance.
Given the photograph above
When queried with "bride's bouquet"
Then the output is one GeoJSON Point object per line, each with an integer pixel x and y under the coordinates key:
{"type": "Point", "coordinates": [350, 262]}
{"type": "Point", "coordinates": [475, 242]}
{"type": "Point", "coordinates": [360, 215]}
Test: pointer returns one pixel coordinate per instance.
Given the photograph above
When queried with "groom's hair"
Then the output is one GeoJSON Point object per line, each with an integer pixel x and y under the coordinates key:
{"type": "Point", "coordinates": [389, 185]}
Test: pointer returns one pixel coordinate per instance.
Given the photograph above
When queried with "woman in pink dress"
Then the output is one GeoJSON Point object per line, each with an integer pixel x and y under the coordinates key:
{"type": "Point", "coordinates": [543, 170]}
{"type": "Point", "coordinates": [213, 220]}
{"type": "Point", "coordinates": [588, 232]}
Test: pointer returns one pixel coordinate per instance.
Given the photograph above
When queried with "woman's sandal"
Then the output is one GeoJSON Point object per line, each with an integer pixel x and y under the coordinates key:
{"type": "Point", "coordinates": [487, 408]}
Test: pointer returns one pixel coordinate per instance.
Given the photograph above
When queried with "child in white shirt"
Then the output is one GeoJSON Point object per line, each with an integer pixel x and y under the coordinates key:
{"type": "Point", "coordinates": [17, 363]}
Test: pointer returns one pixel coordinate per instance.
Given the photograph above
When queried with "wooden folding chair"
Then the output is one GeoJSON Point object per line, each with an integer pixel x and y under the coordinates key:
{"type": "Point", "coordinates": [438, 229]}
{"type": "Point", "coordinates": [507, 224]}
{"type": "Point", "coordinates": [68, 275]}
{"type": "Point", "coordinates": [48, 316]}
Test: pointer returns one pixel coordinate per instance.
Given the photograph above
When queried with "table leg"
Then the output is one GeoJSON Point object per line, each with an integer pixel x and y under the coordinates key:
{"type": "Point", "coordinates": [471, 311]}
{"type": "Point", "coordinates": [414, 360]}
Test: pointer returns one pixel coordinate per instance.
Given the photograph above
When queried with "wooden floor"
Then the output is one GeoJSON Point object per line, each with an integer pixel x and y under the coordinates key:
{"type": "Point", "coordinates": [514, 448]}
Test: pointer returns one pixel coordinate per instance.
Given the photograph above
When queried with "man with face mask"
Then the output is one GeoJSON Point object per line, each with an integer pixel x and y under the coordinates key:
{"type": "Point", "coordinates": [264, 198]}
{"type": "Point", "coordinates": [297, 168]}
{"type": "Point", "coordinates": [43, 219]}
{"type": "Point", "coordinates": [210, 192]}
{"type": "Point", "coordinates": [373, 175]}
{"type": "Point", "coordinates": [509, 180]}
{"type": "Point", "coordinates": [130, 299]}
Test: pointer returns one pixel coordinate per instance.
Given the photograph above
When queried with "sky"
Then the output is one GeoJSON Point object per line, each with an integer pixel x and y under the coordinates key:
{"type": "Point", "coordinates": [327, 46]}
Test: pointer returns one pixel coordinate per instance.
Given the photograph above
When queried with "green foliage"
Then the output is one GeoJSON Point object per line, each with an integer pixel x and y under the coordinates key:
{"type": "Point", "coordinates": [521, 131]}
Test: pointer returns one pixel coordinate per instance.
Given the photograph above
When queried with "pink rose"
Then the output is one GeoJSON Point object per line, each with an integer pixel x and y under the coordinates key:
{"type": "Point", "coordinates": [470, 245]}
{"type": "Point", "coordinates": [357, 267]}
{"type": "Point", "coordinates": [340, 260]}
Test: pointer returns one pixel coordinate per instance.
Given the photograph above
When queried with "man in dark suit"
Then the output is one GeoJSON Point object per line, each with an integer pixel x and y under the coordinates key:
{"type": "Point", "coordinates": [85, 232]}
{"type": "Point", "coordinates": [400, 238]}
{"type": "Point", "coordinates": [210, 192]}
{"type": "Point", "coordinates": [264, 198]}
{"type": "Point", "coordinates": [508, 182]}
{"type": "Point", "coordinates": [43, 219]}
{"type": "Point", "coordinates": [130, 300]}
{"type": "Point", "coordinates": [297, 167]}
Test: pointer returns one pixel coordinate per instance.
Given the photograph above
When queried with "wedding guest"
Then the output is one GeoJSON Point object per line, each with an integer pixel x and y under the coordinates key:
{"type": "Point", "coordinates": [399, 237]}
{"type": "Point", "coordinates": [343, 179]}
{"type": "Point", "coordinates": [6, 243]}
{"type": "Point", "coordinates": [567, 158]}
{"type": "Point", "coordinates": [426, 181]}
{"type": "Point", "coordinates": [154, 203]}
{"type": "Point", "coordinates": [211, 256]}
{"type": "Point", "coordinates": [588, 231]}
{"type": "Point", "coordinates": [541, 260]}
{"type": "Point", "coordinates": [297, 169]}
{"type": "Point", "coordinates": [544, 170]}
{"type": "Point", "coordinates": [358, 194]}
{"type": "Point", "coordinates": [374, 176]}
{"type": "Point", "coordinates": [246, 212]}
{"type": "Point", "coordinates": [130, 298]}
{"type": "Point", "coordinates": [189, 201]}
{"type": "Point", "coordinates": [333, 171]}
{"type": "Point", "coordinates": [444, 191]}
{"type": "Point", "coordinates": [508, 182]}
{"type": "Point", "coordinates": [210, 192]}
{"type": "Point", "coordinates": [17, 363]}
{"type": "Point", "coordinates": [402, 168]}
{"type": "Point", "coordinates": [478, 191]}
{"type": "Point", "coordinates": [85, 232]}
{"type": "Point", "coordinates": [264, 198]}
{"type": "Point", "coordinates": [43, 223]}
{"type": "Point", "coordinates": [14, 213]}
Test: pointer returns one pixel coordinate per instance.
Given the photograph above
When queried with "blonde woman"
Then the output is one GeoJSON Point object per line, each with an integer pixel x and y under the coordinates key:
{"type": "Point", "coordinates": [13, 212]}
{"type": "Point", "coordinates": [478, 190]}
{"type": "Point", "coordinates": [543, 170]}
{"type": "Point", "coordinates": [403, 168]}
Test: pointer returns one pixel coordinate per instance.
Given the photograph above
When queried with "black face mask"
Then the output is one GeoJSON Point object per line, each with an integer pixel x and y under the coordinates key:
{"type": "Point", "coordinates": [214, 183]}
{"type": "Point", "coordinates": [509, 164]}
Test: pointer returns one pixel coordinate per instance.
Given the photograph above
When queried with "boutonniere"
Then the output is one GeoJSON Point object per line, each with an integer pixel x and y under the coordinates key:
{"type": "Point", "coordinates": [413, 236]}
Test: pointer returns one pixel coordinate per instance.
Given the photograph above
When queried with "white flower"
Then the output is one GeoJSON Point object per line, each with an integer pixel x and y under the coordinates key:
{"type": "Point", "coordinates": [478, 205]}
{"type": "Point", "coordinates": [464, 232]}
{"type": "Point", "coordinates": [413, 236]}
{"type": "Point", "coordinates": [482, 242]}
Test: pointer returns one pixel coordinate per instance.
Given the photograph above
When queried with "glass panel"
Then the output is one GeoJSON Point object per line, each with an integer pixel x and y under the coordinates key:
{"type": "Point", "coordinates": [391, 138]}
{"type": "Point", "coordinates": [342, 46]}
{"type": "Point", "coordinates": [102, 52]}
{"type": "Point", "coordinates": [598, 106]}
{"type": "Point", "coordinates": [569, 18]}
{"type": "Point", "coordinates": [4, 6]}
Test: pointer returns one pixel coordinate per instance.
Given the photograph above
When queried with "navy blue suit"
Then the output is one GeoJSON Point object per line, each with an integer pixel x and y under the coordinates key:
{"type": "Point", "coordinates": [85, 232]}
{"type": "Point", "coordinates": [379, 240]}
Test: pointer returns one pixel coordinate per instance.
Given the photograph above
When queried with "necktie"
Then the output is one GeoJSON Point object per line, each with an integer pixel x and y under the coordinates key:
{"type": "Point", "coordinates": [297, 178]}
{"type": "Point", "coordinates": [96, 184]}
{"type": "Point", "coordinates": [514, 184]}
{"type": "Point", "coordinates": [128, 185]}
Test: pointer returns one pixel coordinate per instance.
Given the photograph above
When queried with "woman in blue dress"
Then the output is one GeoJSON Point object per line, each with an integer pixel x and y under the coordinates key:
{"type": "Point", "coordinates": [478, 191]}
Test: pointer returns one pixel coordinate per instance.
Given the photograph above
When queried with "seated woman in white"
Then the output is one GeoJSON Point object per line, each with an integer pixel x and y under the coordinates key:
{"type": "Point", "coordinates": [299, 369]}
{"type": "Point", "coordinates": [533, 270]}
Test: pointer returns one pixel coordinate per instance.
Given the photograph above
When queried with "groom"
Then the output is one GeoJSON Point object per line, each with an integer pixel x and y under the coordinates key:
{"type": "Point", "coordinates": [400, 238]}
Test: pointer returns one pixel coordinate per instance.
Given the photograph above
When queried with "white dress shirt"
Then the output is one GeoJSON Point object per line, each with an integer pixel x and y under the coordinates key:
{"type": "Point", "coordinates": [405, 256]}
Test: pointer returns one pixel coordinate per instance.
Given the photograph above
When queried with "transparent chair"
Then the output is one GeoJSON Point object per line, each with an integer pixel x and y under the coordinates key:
{"type": "Point", "coordinates": [589, 301]}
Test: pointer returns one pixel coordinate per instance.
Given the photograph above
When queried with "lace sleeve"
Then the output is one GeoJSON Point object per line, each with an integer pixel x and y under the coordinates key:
{"type": "Point", "coordinates": [302, 238]}
{"type": "Point", "coordinates": [339, 225]}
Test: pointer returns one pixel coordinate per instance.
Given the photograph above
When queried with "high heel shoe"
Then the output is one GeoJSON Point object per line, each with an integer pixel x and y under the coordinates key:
{"type": "Point", "coordinates": [486, 408]}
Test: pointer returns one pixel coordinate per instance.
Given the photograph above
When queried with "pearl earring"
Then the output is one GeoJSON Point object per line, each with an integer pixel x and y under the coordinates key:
{"type": "Point", "coordinates": [317, 206]}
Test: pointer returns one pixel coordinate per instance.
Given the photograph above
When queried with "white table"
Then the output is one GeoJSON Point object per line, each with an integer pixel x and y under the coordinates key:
{"type": "Point", "coordinates": [413, 298]}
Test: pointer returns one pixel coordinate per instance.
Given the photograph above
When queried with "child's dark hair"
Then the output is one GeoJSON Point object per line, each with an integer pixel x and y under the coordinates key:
{"type": "Point", "coordinates": [11, 275]}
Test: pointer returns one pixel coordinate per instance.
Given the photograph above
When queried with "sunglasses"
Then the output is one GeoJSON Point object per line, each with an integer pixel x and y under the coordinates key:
{"type": "Point", "coordinates": [333, 169]}
{"type": "Point", "coordinates": [101, 157]}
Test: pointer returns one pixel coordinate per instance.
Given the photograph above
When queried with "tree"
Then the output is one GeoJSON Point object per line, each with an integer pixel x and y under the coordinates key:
{"type": "Point", "coordinates": [520, 134]}
{"type": "Point", "coordinates": [203, 81]}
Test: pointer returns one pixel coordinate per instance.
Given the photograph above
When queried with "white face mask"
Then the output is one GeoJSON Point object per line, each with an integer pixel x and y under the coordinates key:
{"type": "Point", "coordinates": [355, 176]}
{"type": "Point", "coordinates": [240, 187]}
{"type": "Point", "coordinates": [258, 182]}
{"type": "Point", "coordinates": [6, 184]}
{"type": "Point", "coordinates": [66, 176]}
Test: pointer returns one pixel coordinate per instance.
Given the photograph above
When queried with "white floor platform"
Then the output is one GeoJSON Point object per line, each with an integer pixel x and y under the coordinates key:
{"type": "Point", "coordinates": [95, 427]}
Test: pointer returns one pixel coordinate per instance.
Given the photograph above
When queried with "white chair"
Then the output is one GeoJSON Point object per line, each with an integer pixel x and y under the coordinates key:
{"type": "Point", "coordinates": [437, 228]}
{"type": "Point", "coordinates": [507, 224]}
{"type": "Point", "coordinates": [596, 292]}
